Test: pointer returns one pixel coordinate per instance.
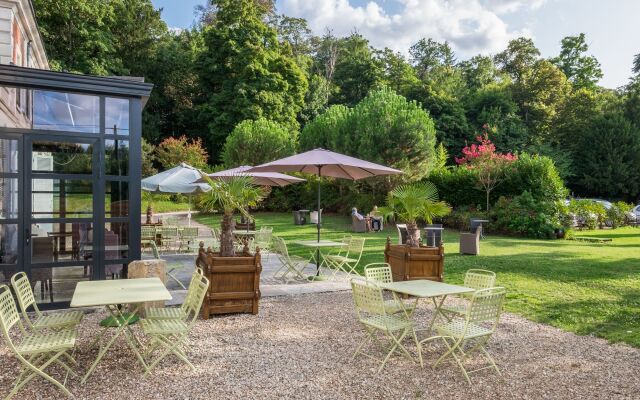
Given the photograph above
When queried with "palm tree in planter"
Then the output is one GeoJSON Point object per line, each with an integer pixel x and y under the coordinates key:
{"type": "Point", "coordinates": [231, 196]}
{"type": "Point", "coordinates": [411, 202]}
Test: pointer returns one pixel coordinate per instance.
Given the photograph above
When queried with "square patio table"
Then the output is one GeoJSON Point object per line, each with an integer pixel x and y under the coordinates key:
{"type": "Point", "coordinates": [426, 289]}
{"type": "Point", "coordinates": [111, 293]}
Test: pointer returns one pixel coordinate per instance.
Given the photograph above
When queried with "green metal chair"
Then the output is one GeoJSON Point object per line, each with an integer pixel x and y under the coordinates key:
{"type": "Point", "coordinates": [347, 263]}
{"type": "Point", "coordinates": [26, 300]}
{"type": "Point", "coordinates": [371, 313]}
{"type": "Point", "coordinates": [179, 313]}
{"type": "Point", "coordinates": [475, 279]}
{"type": "Point", "coordinates": [381, 273]}
{"type": "Point", "coordinates": [189, 238]}
{"type": "Point", "coordinates": [37, 351]}
{"type": "Point", "coordinates": [466, 335]}
{"type": "Point", "coordinates": [291, 265]}
{"type": "Point", "coordinates": [169, 335]}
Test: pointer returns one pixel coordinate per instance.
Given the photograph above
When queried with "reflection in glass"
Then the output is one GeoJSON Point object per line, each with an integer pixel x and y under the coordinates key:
{"type": "Point", "coordinates": [64, 198]}
{"type": "Point", "coordinates": [117, 199]}
{"type": "Point", "coordinates": [8, 198]}
{"type": "Point", "coordinates": [116, 238]}
{"type": "Point", "coordinates": [51, 242]}
{"type": "Point", "coordinates": [116, 116]}
{"type": "Point", "coordinates": [57, 284]}
{"type": "Point", "coordinates": [63, 157]}
{"type": "Point", "coordinates": [8, 243]}
{"type": "Point", "coordinates": [69, 112]}
{"type": "Point", "coordinates": [116, 158]}
{"type": "Point", "coordinates": [8, 155]}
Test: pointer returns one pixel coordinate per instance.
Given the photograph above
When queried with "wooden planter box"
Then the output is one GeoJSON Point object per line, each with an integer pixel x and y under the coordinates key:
{"type": "Point", "coordinates": [411, 263]}
{"type": "Point", "coordinates": [234, 282]}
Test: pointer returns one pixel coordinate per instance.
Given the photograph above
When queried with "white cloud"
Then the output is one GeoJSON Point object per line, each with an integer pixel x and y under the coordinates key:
{"type": "Point", "coordinates": [470, 26]}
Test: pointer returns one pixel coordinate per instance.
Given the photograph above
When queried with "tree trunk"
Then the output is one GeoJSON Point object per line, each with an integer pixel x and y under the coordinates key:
{"type": "Point", "coordinates": [413, 234]}
{"type": "Point", "coordinates": [226, 236]}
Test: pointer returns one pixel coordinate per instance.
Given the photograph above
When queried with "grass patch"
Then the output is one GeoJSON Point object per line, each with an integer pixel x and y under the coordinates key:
{"type": "Point", "coordinates": [582, 287]}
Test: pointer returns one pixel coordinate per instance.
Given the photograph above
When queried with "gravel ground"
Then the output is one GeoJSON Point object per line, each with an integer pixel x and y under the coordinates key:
{"type": "Point", "coordinates": [300, 347]}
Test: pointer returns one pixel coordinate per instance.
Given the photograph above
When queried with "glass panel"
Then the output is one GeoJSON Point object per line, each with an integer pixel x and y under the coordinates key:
{"type": "Point", "coordinates": [117, 199]}
{"type": "Point", "coordinates": [64, 198]}
{"type": "Point", "coordinates": [8, 243]}
{"type": "Point", "coordinates": [52, 242]}
{"type": "Point", "coordinates": [57, 284]}
{"type": "Point", "coordinates": [116, 116]}
{"type": "Point", "coordinates": [116, 158]}
{"type": "Point", "coordinates": [8, 198]}
{"type": "Point", "coordinates": [116, 240]}
{"type": "Point", "coordinates": [8, 155]}
{"type": "Point", "coordinates": [69, 112]}
{"type": "Point", "coordinates": [62, 157]}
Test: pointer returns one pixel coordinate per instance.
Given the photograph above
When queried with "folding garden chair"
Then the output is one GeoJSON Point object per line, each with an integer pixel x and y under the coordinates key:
{"type": "Point", "coordinates": [291, 265]}
{"type": "Point", "coordinates": [371, 312]}
{"type": "Point", "coordinates": [381, 273]}
{"type": "Point", "coordinates": [170, 335]}
{"type": "Point", "coordinates": [182, 312]}
{"type": "Point", "coordinates": [36, 351]}
{"type": "Point", "coordinates": [347, 263]}
{"type": "Point", "coordinates": [26, 300]}
{"type": "Point", "coordinates": [466, 335]}
{"type": "Point", "coordinates": [475, 279]}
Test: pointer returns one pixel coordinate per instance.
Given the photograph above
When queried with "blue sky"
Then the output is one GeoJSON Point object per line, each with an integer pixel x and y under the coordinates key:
{"type": "Point", "coordinates": [471, 26]}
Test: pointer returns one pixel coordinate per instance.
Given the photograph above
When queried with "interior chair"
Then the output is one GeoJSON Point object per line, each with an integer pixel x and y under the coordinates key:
{"type": "Point", "coordinates": [465, 335]}
{"type": "Point", "coordinates": [372, 315]}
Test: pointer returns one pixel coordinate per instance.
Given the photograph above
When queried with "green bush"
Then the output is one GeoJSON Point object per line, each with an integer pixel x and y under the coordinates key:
{"type": "Point", "coordinates": [524, 215]}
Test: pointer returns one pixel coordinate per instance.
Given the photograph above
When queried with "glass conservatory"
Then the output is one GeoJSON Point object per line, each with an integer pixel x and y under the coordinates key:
{"type": "Point", "coordinates": [69, 178]}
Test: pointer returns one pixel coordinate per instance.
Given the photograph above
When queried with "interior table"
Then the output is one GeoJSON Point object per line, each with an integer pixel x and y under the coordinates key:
{"type": "Point", "coordinates": [316, 256]}
{"type": "Point", "coordinates": [110, 294]}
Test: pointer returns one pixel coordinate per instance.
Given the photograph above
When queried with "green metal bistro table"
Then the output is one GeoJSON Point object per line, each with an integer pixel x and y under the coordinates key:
{"type": "Point", "coordinates": [110, 294]}
{"type": "Point", "coordinates": [316, 256]}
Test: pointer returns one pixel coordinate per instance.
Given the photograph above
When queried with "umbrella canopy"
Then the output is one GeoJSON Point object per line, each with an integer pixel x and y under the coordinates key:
{"type": "Point", "coordinates": [179, 179]}
{"type": "Point", "coordinates": [258, 178]}
{"type": "Point", "coordinates": [323, 162]}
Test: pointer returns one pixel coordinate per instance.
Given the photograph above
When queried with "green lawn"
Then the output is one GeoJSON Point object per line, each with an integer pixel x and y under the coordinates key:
{"type": "Point", "coordinates": [586, 288]}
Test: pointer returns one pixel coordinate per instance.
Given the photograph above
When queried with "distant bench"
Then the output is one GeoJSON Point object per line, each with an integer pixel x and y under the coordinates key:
{"type": "Point", "coordinates": [592, 239]}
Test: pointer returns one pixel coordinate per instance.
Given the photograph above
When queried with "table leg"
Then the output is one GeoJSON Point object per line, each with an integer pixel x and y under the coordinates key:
{"type": "Point", "coordinates": [123, 328]}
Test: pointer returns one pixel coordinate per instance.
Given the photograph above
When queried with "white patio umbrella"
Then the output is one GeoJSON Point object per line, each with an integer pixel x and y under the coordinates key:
{"type": "Point", "coordinates": [323, 162]}
{"type": "Point", "coordinates": [179, 179]}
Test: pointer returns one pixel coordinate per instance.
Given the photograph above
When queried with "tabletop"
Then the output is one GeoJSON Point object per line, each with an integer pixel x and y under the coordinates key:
{"type": "Point", "coordinates": [425, 288]}
{"type": "Point", "coordinates": [322, 243]}
{"type": "Point", "coordinates": [119, 291]}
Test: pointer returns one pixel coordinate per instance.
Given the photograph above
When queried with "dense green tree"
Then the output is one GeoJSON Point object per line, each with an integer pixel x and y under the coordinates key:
{"type": "Point", "coordinates": [250, 140]}
{"type": "Point", "coordinates": [356, 71]}
{"type": "Point", "coordinates": [582, 70]}
{"type": "Point", "coordinates": [518, 58]}
{"type": "Point", "coordinates": [608, 157]}
{"type": "Point", "coordinates": [245, 73]}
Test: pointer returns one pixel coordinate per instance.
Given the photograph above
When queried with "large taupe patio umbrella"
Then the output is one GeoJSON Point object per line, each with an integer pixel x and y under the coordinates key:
{"type": "Point", "coordinates": [326, 163]}
{"type": "Point", "coordinates": [179, 179]}
{"type": "Point", "coordinates": [257, 178]}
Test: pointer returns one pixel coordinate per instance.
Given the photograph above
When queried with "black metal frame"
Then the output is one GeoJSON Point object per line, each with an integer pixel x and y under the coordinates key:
{"type": "Point", "coordinates": [137, 93]}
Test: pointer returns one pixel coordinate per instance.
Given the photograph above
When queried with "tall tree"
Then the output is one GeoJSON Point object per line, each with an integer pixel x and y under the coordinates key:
{"type": "Point", "coordinates": [581, 69]}
{"type": "Point", "coordinates": [518, 58]}
{"type": "Point", "coordinates": [245, 73]}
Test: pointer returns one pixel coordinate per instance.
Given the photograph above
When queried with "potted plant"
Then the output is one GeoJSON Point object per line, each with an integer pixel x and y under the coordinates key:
{"type": "Point", "coordinates": [410, 203]}
{"type": "Point", "coordinates": [234, 276]}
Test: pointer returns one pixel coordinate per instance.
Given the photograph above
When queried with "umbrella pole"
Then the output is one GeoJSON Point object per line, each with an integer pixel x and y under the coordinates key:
{"type": "Point", "coordinates": [318, 223]}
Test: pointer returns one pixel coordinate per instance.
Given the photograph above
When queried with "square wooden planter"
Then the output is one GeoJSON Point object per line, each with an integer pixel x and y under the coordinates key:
{"type": "Point", "coordinates": [411, 263]}
{"type": "Point", "coordinates": [234, 282]}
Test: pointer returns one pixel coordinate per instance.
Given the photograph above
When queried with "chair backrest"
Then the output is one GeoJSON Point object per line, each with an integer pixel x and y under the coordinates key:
{"type": "Point", "coordinates": [403, 234]}
{"type": "Point", "coordinates": [486, 306]}
{"type": "Point", "coordinates": [378, 272]}
{"type": "Point", "coordinates": [479, 279]}
{"type": "Point", "coordinates": [367, 297]}
{"type": "Point", "coordinates": [24, 294]}
{"type": "Point", "coordinates": [193, 303]}
{"type": "Point", "coordinates": [9, 315]}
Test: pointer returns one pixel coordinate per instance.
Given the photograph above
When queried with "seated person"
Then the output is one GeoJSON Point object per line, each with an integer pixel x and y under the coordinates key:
{"type": "Point", "coordinates": [360, 217]}
{"type": "Point", "coordinates": [376, 219]}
